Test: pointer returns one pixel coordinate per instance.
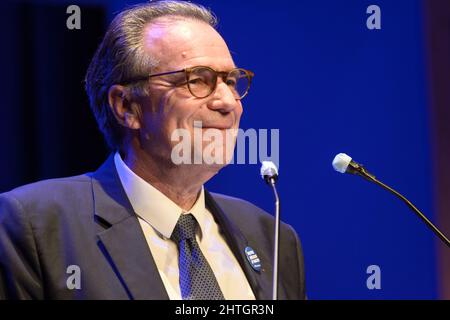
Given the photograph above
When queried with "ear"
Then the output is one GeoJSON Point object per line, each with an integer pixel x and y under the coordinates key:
{"type": "Point", "coordinates": [122, 107]}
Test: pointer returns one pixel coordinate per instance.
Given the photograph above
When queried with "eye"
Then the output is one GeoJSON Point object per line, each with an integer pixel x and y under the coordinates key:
{"type": "Point", "coordinates": [231, 82]}
{"type": "Point", "coordinates": [196, 81]}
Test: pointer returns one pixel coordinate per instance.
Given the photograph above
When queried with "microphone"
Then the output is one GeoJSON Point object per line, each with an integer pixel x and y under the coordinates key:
{"type": "Point", "coordinates": [269, 172]}
{"type": "Point", "coordinates": [344, 164]}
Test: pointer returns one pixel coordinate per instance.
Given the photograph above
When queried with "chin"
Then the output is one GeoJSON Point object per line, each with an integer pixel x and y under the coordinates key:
{"type": "Point", "coordinates": [219, 157]}
{"type": "Point", "coordinates": [214, 168]}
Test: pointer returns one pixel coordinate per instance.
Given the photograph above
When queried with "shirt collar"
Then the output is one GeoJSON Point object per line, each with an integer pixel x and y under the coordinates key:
{"type": "Point", "coordinates": [152, 205]}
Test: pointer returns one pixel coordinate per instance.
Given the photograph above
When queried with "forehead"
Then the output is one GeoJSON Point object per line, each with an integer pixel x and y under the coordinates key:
{"type": "Point", "coordinates": [182, 43]}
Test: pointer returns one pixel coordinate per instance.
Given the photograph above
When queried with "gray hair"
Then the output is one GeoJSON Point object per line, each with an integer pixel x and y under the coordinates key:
{"type": "Point", "coordinates": [120, 56]}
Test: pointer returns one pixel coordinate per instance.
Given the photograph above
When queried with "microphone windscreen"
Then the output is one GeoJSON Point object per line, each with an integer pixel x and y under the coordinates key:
{"type": "Point", "coordinates": [341, 162]}
{"type": "Point", "coordinates": [268, 168]}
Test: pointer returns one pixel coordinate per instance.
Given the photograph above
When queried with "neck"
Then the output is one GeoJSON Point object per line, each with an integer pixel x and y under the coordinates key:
{"type": "Point", "coordinates": [180, 183]}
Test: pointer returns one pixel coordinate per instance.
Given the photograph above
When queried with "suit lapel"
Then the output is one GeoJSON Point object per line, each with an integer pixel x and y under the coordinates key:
{"type": "Point", "coordinates": [259, 281]}
{"type": "Point", "coordinates": [123, 242]}
{"type": "Point", "coordinates": [124, 245]}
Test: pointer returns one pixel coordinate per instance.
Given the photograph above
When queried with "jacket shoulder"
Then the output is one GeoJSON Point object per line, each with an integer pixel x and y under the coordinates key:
{"type": "Point", "coordinates": [48, 185]}
{"type": "Point", "coordinates": [50, 194]}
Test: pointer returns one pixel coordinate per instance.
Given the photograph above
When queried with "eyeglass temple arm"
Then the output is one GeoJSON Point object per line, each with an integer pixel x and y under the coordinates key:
{"type": "Point", "coordinates": [150, 76]}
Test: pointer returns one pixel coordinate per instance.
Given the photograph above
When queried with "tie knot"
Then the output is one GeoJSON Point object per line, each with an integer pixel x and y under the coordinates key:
{"type": "Point", "coordinates": [185, 228]}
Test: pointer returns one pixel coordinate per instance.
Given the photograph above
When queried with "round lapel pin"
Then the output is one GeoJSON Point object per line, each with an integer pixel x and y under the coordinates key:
{"type": "Point", "coordinates": [253, 259]}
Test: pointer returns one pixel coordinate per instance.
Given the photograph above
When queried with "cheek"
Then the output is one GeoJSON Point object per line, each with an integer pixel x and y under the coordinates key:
{"type": "Point", "coordinates": [238, 113]}
{"type": "Point", "coordinates": [184, 114]}
{"type": "Point", "coordinates": [180, 116]}
{"type": "Point", "coordinates": [171, 113]}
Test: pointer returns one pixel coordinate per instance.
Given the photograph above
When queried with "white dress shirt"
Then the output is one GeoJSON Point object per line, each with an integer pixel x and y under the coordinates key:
{"type": "Point", "coordinates": [158, 215]}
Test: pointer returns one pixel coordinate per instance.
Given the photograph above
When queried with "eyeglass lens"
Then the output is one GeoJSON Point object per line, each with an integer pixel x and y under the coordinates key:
{"type": "Point", "coordinates": [202, 82]}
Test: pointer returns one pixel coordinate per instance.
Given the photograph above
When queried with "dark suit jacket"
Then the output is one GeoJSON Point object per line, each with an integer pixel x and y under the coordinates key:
{"type": "Point", "coordinates": [88, 221]}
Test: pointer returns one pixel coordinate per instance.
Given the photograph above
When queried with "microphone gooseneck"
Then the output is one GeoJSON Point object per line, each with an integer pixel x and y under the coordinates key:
{"type": "Point", "coordinates": [344, 164]}
{"type": "Point", "coordinates": [269, 172]}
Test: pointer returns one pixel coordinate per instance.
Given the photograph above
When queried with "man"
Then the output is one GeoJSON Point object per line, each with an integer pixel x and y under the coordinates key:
{"type": "Point", "coordinates": [141, 226]}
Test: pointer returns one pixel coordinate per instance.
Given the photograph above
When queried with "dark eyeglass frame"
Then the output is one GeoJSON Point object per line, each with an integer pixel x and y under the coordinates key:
{"type": "Point", "coordinates": [223, 74]}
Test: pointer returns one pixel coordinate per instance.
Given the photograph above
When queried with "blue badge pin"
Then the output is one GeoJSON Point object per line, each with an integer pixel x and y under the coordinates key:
{"type": "Point", "coordinates": [253, 259]}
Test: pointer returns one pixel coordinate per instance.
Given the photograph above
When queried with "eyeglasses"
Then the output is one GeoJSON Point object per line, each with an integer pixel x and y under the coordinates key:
{"type": "Point", "coordinates": [202, 81]}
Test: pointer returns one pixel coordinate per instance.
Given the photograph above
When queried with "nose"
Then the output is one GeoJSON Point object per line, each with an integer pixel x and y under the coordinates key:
{"type": "Point", "coordinates": [223, 100]}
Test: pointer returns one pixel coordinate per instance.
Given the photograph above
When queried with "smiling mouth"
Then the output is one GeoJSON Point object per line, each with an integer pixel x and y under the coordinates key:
{"type": "Point", "coordinates": [219, 126]}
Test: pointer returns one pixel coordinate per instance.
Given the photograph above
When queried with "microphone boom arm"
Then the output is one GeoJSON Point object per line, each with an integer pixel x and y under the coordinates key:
{"type": "Point", "coordinates": [358, 169]}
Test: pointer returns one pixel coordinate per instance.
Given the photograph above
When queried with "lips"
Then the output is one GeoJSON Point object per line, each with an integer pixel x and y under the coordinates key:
{"type": "Point", "coordinates": [221, 125]}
